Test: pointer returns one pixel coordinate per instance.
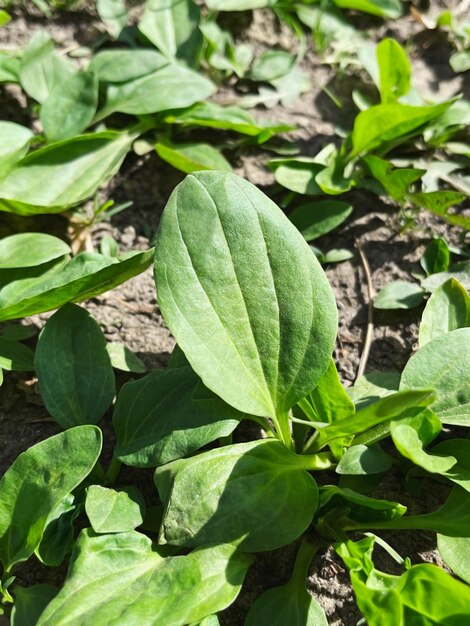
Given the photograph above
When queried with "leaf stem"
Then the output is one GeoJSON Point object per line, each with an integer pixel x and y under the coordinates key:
{"type": "Point", "coordinates": [315, 462]}
{"type": "Point", "coordinates": [112, 472]}
{"type": "Point", "coordinates": [307, 551]}
{"type": "Point", "coordinates": [281, 423]}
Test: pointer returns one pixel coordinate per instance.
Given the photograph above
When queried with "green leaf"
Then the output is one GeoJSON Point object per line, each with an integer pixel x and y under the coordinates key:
{"type": "Point", "coordinates": [364, 460]}
{"type": "Point", "coordinates": [385, 123]}
{"type": "Point", "coordinates": [36, 482]}
{"type": "Point", "coordinates": [344, 507]}
{"type": "Point", "coordinates": [394, 68]}
{"type": "Point", "coordinates": [447, 309]}
{"type": "Point", "coordinates": [436, 257]}
{"type": "Point", "coordinates": [290, 604]}
{"type": "Point", "coordinates": [459, 271]}
{"type": "Point", "coordinates": [5, 17]}
{"type": "Point", "coordinates": [439, 202]}
{"type": "Point", "coordinates": [381, 8]}
{"type": "Point", "coordinates": [30, 602]}
{"type": "Point", "coordinates": [444, 363]}
{"type": "Point", "coordinates": [42, 69]}
{"type": "Point", "coordinates": [238, 5]}
{"type": "Point", "coordinates": [121, 66]}
{"type": "Point", "coordinates": [423, 596]}
{"type": "Point", "coordinates": [16, 357]}
{"type": "Point", "coordinates": [460, 61]}
{"type": "Point", "coordinates": [251, 340]}
{"type": "Point", "coordinates": [112, 511]}
{"type": "Point", "coordinates": [171, 87]}
{"type": "Point", "coordinates": [298, 174]}
{"type": "Point", "coordinates": [124, 359]}
{"type": "Point", "coordinates": [372, 386]}
{"type": "Point", "coordinates": [257, 494]}
{"type": "Point", "coordinates": [74, 169]}
{"type": "Point", "coordinates": [58, 537]}
{"type": "Point", "coordinates": [74, 370]}
{"type": "Point", "coordinates": [114, 14]}
{"type": "Point", "coordinates": [315, 219]}
{"type": "Point", "coordinates": [455, 552]}
{"type": "Point", "coordinates": [396, 405]}
{"type": "Point", "coordinates": [30, 250]}
{"type": "Point", "coordinates": [328, 402]}
{"type": "Point", "coordinates": [108, 570]}
{"type": "Point", "coordinates": [394, 180]}
{"type": "Point", "coordinates": [271, 65]}
{"type": "Point", "coordinates": [213, 115]}
{"type": "Point", "coordinates": [399, 294]}
{"type": "Point", "coordinates": [85, 276]}
{"type": "Point", "coordinates": [14, 144]}
{"type": "Point", "coordinates": [191, 157]}
{"type": "Point", "coordinates": [70, 107]}
{"type": "Point", "coordinates": [173, 27]}
{"type": "Point", "coordinates": [167, 415]}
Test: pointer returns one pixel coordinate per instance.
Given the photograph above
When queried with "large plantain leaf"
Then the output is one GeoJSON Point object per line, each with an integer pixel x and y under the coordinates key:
{"type": "Point", "coordinates": [122, 579]}
{"type": "Point", "coordinates": [243, 294]}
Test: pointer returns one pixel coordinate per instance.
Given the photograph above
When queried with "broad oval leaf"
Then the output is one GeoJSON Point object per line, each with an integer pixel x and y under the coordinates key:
{"type": "Point", "coordinates": [36, 482]}
{"type": "Point", "coordinates": [30, 250]}
{"type": "Point", "coordinates": [70, 107]}
{"type": "Point", "coordinates": [315, 219]}
{"type": "Point", "coordinates": [87, 275]}
{"type": "Point", "coordinates": [15, 356]}
{"type": "Point", "coordinates": [394, 68]}
{"type": "Point", "coordinates": [257, 494]}
{"type": "Point", "coordinates": [459, 271]}
{"type": "Point", "coordinates": [167, 415]}
{"type": "Point", "coordinates": [171, 87]}
{"type": "Point", "coordinates": [191, 157]}
{"type": "Point", "coordinates": [455, 552]}
{"type": "Point", "coordinates": [444, 363]}
{"type": "Point", "coordinates": [447, 309]}
{"type": "Point", "coordinates": [30, 602]}
{"type": "Point", "coordinates": [243, 294]}
{"type": "Point", "coordinates": [114, 511]}
{"type": "Point", "coordinates": [107, 570]}
{"type": "Point", "coordinates": [73, 168]}
{"type": "Point", "coordinates": [399, 294]}
{"type": "Point", "coordinates": [121, 65]}
{"type": "Point", "coordinates": [14, 143]}
{"type": "Point", "coordinates": [173, 27]}
{"type": "Point", "coordinates": [74, 370]}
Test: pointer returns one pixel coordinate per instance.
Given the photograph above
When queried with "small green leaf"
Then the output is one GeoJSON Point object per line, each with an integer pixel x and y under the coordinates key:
{"type": "Point", "coordinates": [107, 571]}
{"type": "Point", "coordinates": [372, 386]}
{"type": "Point", "coordinates": [173, 27]}
{"type": "Point", "coordinates": [121, 65]}
{"type": "Point", "coordinates": [381, 8]}
{"type": "Point", "coordinates": [124, 359]}
{"type": "Point", "coordinates": [173, 86]}
{"type": "Point", "coordinates": [399, 295]}
{"type": "Point", "coordinates": [5, 17]}
{"type": "Point", "coordinates": [271, 65]}
{"type": "Point", "coordinates": [315, 219]}
{"type": "Point", "coordinates": [447, 309]}
{"type": "Point", "coordinates": [394, 68]}
{"type": "Point", "coordinates": [459, 271]}
{"type": "Point", "coordinates": [460, 61]}
{"type": "Point", "coordinates": [114, 14]}
{"type": "Point", "coordinates": [87, 275]}
{"type": "Point", "coordinates": [74, 169]}
{"type": "Point", "coordinates": [70, 107]}
{"type": "Point", "coordinates": [41, 68]}
{"type": "Point", "coordinates": [58, 537]}
{"type": "Point", "coordinates": [345, 507]}
{"type": "Point", "coordinates": [298, 174]}
{"type": "Point", "coordinates": [74, 369]}
{"type": "Point", "coordinates": [385, 123]}
{"type": "Point", "coordinates": [16, 357]}
{"type": "Point", "coordinates": [436, 257]}
{"type": "Point", "coordinates": [114, 511]}
{"type": "Point", "coordinates": [200, 494]}
{"type": "Point", "coordinates": [167, 415]}
{"type": "Point", "coordinates": [364, 460]}
{"type": "Point", "coordinates": [444, 363]}
{"type": "Point", "coordinates": [36, 482]}
{"type": "Point", "coordinates": [30, 250]}
{"type": "Point", "coordinates": [439, 202]}
{"type": "Point", "coordinates": [14, 143]}
{"type": "Point", "coordinates": [30, 602]}
{"type": "Point", "coordinates": [238, 5]}
{"type": "Point", "coordinates": [394, 180]}
{"type": "Point", "coordinates": [455, 551]}
{"type": "Point", "coordinates": [191, 157]}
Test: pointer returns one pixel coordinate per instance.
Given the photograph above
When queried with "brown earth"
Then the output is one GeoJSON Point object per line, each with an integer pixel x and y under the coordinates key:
{"type": "Point", "coordinates": [130, 313]}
